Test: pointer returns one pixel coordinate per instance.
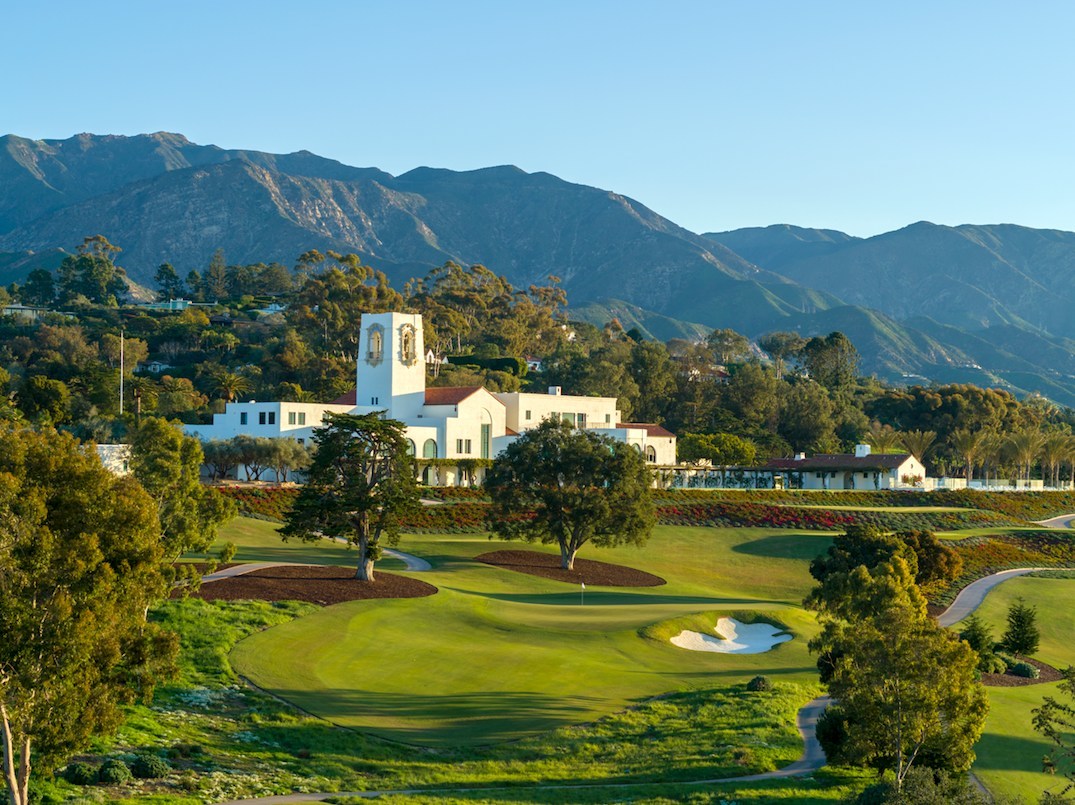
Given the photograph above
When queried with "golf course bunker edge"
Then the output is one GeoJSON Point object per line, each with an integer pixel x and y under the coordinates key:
{"type": "Point", "coordinates": [733, 637]}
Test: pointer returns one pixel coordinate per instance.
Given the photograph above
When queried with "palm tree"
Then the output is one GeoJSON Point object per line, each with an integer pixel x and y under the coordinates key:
{"type": "Point", "coordinates": [881, 438]}
{"type": "Point", "coordinates": [229, 385]}
{"type": "Point", "coordinates": [968, 444]}
{"type": "Point", "coordinates": [1054, 450]}
{"type": "Point", "coordinates": [992, 453]}
{"type": "Point", "coordinates": [918, 442]}
{"type": "Point", "coordinates": [1025, 446]}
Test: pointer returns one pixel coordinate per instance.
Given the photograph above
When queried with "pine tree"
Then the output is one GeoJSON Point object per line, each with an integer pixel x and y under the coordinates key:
{"type": "Point", "coordinates": [1022, 635]}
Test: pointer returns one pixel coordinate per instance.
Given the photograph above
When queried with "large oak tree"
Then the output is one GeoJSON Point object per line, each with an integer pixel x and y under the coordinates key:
{"type": "Point", "coordinates": [558, 485]}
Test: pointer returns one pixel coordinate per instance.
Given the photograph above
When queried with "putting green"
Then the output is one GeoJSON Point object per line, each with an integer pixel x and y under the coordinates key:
{"type": "Point", "coordinates": [1010, 752]}
{"type": "Point", "coordinates": [496, 655]}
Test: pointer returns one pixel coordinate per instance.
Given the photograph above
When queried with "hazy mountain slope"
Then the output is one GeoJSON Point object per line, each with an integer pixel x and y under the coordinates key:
{"type": "Point", "coordinates": [968, 276]}
{"type": "Point", "coordinates": [773, 246]}
{"type": "Point", "coordinates": [179, 202]}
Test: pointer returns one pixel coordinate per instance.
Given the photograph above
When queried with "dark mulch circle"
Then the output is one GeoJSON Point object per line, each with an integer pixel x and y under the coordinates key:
{"type": "Point", "coordinates": [1048, 674]}
{"type": "Point", "coordinates": [314, 584]}
{"type": "Point", "coordinates": [547, 566]}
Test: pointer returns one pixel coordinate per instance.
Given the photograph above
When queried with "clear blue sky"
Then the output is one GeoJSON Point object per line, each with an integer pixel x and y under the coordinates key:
{"type": "Point", "coordinates": [856, 116]}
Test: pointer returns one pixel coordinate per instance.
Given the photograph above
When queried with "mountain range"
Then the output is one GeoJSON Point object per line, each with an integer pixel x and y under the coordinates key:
{"type": "Point", "coordinates": [983, 304]}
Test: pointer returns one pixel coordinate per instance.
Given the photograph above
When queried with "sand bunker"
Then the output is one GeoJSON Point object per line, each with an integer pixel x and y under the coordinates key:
{"type": "Point", "coordinates": [739, 638]}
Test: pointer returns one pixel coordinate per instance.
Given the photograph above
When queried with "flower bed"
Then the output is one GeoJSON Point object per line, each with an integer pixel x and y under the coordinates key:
{"type": "Point", "coordinates": [983, 556]}
{"type": "Point", "coordinates": [266, 502]}
{"type": "Point", "coordinates": [740, 515]}
{"type": "Point", "coordinates": [1027, 506]}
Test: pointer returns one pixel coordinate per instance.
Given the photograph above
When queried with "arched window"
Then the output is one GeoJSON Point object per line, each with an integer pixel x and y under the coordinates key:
{"type": "Point", "coordinates": [407, 345]}
{"type": "Point", "coordinates": [429, 449]}
{"type": "Point", "coordinates": [651, 454]}
{"type": "Point", "coordinates": [375, 344]}
{"type": "Point", "coordinates": [411, 449]}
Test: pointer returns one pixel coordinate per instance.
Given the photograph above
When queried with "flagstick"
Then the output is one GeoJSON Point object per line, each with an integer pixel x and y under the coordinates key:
{"type": "Point", "coordinates": [582, 595]}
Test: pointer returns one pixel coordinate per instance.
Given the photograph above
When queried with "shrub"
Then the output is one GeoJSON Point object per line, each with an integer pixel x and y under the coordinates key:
{"type": "Point", "coordinates": [114, 772]}
{"type": "Point", "coordinates": [923, 786]}
{"type": "Point", "coordinates": [80, 774]}
{"type": "Point", "coordinates": [1025, 670]}
{"type": "Point", "coordinates": [760, 683]}
{"type": "Point", "coordinates": [991, 664]}
{"type": "Point", "coordinates": [150, 767]}
{"type": "Point", "coordinates": [1008, 660]}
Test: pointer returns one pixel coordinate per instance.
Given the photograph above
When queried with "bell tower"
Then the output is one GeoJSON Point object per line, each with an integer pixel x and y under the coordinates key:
{"type": "Point", "coordinates": [391, 371]}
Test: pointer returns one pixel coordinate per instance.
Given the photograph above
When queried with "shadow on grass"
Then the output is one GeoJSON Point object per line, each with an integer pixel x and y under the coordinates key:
{"type": "Point", "coordinates": [596, 597]}
{"type": "Point", "coordinates": [445, 720]}
{"type": "Point", "coordinates": [1002, 750]}
{"type": "Point", "coordinates": [790, 546]}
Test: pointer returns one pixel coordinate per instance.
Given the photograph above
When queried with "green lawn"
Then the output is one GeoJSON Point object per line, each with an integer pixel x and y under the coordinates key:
{"type": "Point", "coordinates": [1010, 752]}
{"type": "Point", "coordinates": [535, 657]}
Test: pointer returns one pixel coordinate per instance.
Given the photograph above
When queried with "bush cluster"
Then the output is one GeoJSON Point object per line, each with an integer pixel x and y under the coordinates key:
{"type": "Point", "coordinates": [114, 772]}
{"type": "Point", "coordinates": [150, 767]}
{"type": "Point", "coordinates": [760, 683]}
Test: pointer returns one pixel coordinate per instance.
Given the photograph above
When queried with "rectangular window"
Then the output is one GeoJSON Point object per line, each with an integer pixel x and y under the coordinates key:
{"type": "Point", "coordinates": [272, 417]}
{"type": "Point", "coordinates": [486, 447]}
{"type": "Point", "coordinates": [466, 445]}
{"type": "Point", "coordinates": [302, 417]}
{"type": "Point", "coordinates": [582, 420]}
{"type": "Point", "coordinates": [242, 418]}
{"type": "Point", "coordinates": [374, 400]}
{"type": "Point", "coordinates": [291, 417]}
{"type": "Point", "coordinates": [261, 417]}
{"type": "Point", "coordinates": [527, 415]}
{"type": "Point", "coordinates": [554, 416]}
{"type": "Point", "coordinates": [608, 418]}
{"type": "Point", "coordinates": [459, 445]}
{"type": "Point", "coordinates": [569, 419]}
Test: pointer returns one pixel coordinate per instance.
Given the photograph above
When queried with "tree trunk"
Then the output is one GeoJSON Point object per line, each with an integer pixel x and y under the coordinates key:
{"type": "Point", "coordinates": [364, 571]}
{"type": "Point", "coordinates": [567, 556]}
{"type": "Point", "coordinates": [18, 780]}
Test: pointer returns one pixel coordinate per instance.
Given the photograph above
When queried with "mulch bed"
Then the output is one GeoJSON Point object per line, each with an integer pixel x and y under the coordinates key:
{"type": "Point", "coordinates": [1048, 674]}
{"type": "Point", "coordinates": [547, 566]}
{"type": "Point", "coordinates": [316, 585]}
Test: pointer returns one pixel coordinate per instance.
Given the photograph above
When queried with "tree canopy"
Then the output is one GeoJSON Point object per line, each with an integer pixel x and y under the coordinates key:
{"type": "Point", "coordinates": [80, 564]}
{"type": "Point", "coordinates": [359, 484]}
{"type": "Point", "coordinates": [558, 485]}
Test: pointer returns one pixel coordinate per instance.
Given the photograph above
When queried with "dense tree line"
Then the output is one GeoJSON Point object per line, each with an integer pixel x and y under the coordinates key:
{"type": "Point", "coordinates": [731, 401]}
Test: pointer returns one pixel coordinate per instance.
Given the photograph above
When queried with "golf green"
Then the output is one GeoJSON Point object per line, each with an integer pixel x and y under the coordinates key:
{"type": "Point", "coordinates": [497, 655]}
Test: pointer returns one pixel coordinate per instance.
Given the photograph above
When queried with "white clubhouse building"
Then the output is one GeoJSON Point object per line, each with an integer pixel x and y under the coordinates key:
{"type": "Point", "coordinates": [448, 427]}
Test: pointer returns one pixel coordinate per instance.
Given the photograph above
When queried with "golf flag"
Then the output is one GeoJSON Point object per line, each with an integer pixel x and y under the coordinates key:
{"type": "Point", "coordinates": [584, 585]}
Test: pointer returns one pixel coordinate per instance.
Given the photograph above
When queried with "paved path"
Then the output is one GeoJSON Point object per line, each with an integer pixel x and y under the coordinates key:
{"type": "Point", "coordinates": [242, 570]}
{"type": "Point", "coordinates": [971, 596]}
{"type": "Point", "coordinates": [414, 563]}
{"type": "Point", "coordinates": [1060, 521]}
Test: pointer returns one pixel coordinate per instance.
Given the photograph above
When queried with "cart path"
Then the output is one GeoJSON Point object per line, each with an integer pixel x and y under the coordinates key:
{"type": "Point", "coordinates": [1060, 521]}
{"type": "Point", "coordinates": [972, 596]}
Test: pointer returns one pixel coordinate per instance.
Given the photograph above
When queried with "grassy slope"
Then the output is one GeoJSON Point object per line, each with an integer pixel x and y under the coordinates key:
{"type": "Point", "coordinates": [1010, 752]}
{"type": "Point", "coordinates": [516, 628]}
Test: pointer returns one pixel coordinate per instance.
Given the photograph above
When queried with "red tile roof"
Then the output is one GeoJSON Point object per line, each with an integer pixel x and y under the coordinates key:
{"type": "Point", "coordinates": [350, 398]}
{"type": "Point", "coordinates": [449, 395]}
{"type": "Point", "coordinates": [650, 428]}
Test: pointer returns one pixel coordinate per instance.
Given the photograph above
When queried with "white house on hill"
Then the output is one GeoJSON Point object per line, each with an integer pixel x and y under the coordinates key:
{"type": "Point", "coordinates": [448, 427]}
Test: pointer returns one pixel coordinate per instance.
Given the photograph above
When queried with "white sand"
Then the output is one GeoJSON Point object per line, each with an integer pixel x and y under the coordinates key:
{"type": "Point", "coordinates": [738, 638]}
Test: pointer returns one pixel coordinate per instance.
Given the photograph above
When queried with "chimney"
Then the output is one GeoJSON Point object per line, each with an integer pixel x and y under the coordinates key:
{"type": "Point", "coordinates": [555, 391]}
{"type": "Point", "coordinates": [800, 456]}
{"type": "Point", "coordinates": [862, 450]}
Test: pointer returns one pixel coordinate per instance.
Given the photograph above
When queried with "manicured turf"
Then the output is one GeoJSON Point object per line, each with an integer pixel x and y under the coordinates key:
{"type": "Point", "coordinates": [497, 655]}
{"type": "Point", "coordinates": [1010, 752]}
{"type": "Point", "coordinates": [259, 541]}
